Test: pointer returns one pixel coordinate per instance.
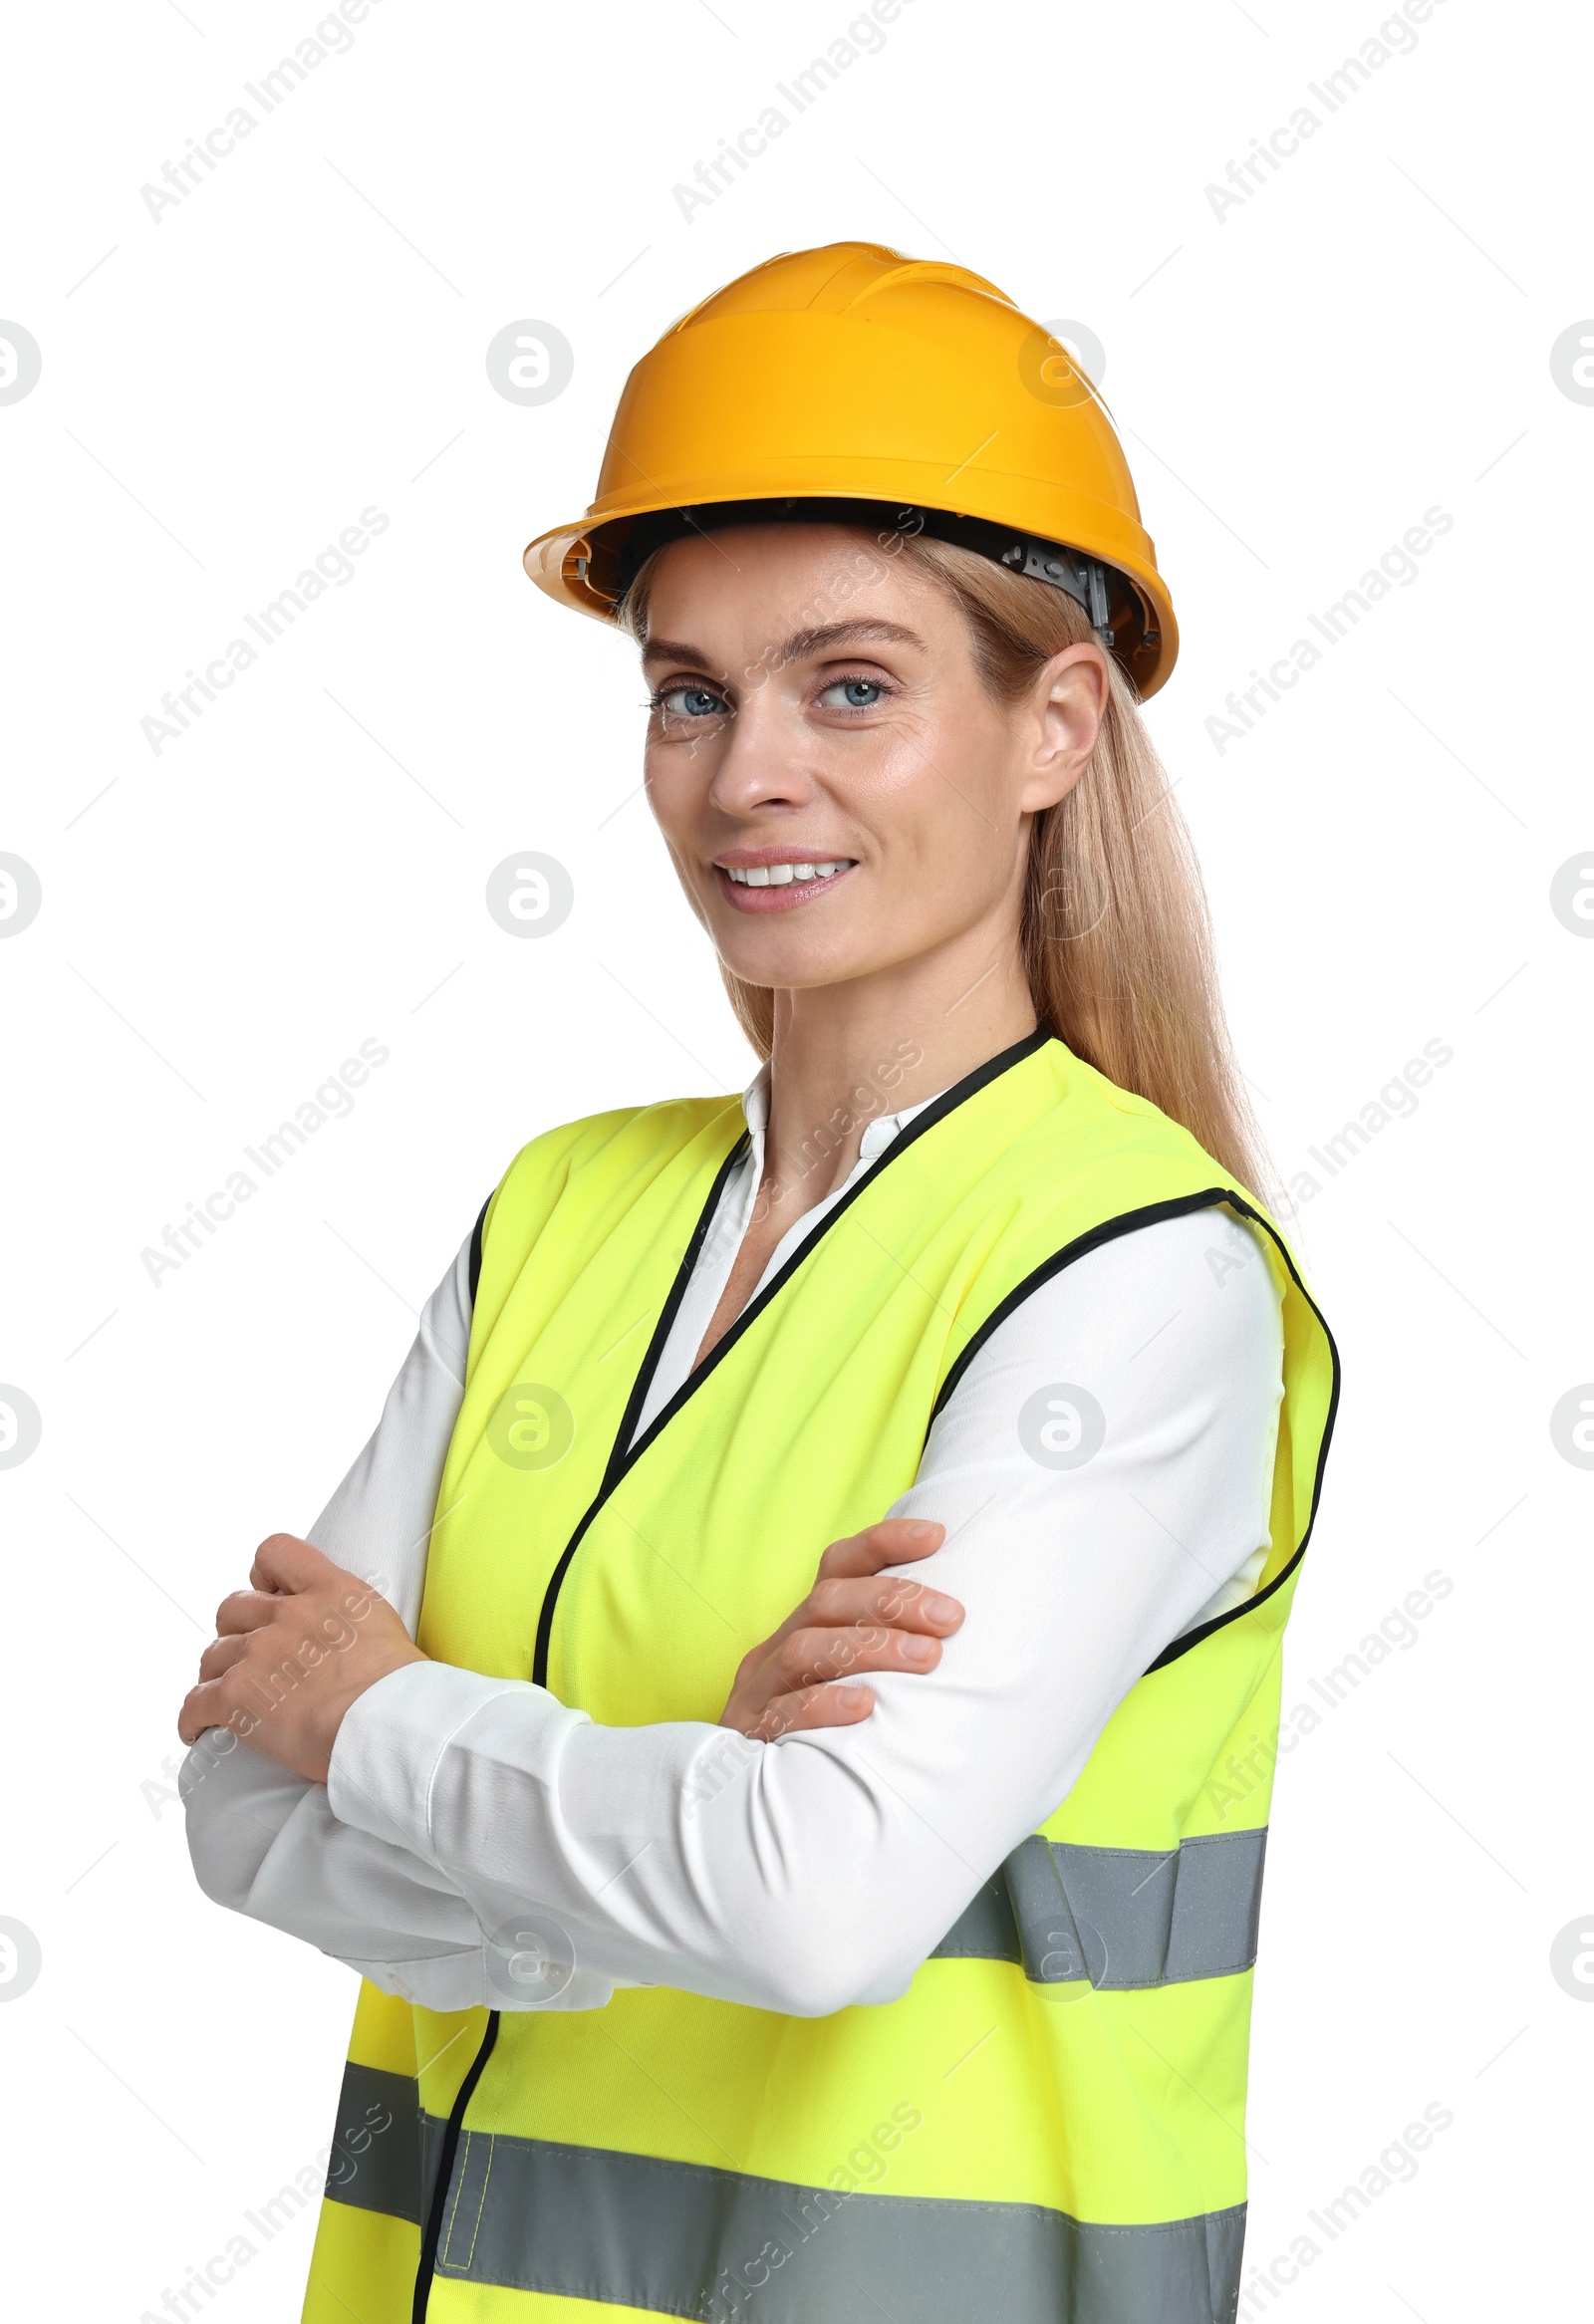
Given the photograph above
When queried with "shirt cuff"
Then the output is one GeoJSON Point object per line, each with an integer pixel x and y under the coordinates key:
{"type": "Point", "coordinates": [392, 1738]}
{"type": "Point", "coordinates": [457, 1980]}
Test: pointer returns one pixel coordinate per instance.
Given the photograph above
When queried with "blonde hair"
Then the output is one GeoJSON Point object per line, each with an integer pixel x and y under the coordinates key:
{"type": "Point", "coordinates": [1116, 934]}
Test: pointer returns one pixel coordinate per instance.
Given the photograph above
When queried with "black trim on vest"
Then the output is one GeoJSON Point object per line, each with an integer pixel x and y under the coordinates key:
{"type": "Point", "coordinates": [666, 1320]}
{"type": "Point", "coordinates": [620, 1459]}
{"type": "Point", "coordinates": [431, 2232]}
{"type": "Point", "coordinates": [475, 1249]}
{"type": "Point", "coordinates": [1178, 1206]}
{"type": "Point", "coordinates": [1193, 1638]}
{"type": "Point", "coordinates": [633, 1404]}
{"type": "Point", "coordinates": [432, 2217]}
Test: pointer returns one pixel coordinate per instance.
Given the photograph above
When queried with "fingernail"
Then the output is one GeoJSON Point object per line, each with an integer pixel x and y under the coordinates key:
{"type": "Point", "coordinates": [919, 1526]}
{"type": "Point", "coordinates": [919, 1650]}
{"type": "Point", "coordinates": [940, 1609]}
{"type": "Point", "coordinates": [852, 1697]}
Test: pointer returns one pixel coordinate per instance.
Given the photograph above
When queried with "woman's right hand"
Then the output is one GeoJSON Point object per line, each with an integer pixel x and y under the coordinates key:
{"type": "Point", "coordinates": [851, 1621]}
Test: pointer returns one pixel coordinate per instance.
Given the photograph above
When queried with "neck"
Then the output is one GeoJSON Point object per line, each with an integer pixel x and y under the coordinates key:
{"type": "Point", "coordinates": [845, 1054]}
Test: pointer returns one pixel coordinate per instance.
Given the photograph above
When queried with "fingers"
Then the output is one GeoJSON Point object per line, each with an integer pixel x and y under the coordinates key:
{"type": "Point", "coordinates": [894, 1541]}
{"type": "Point", "coordinates": [221, 1654]}
{"type": "Point", "coordinates": [245, 1610]}
{"type": "Point", "coordinates": [814, 1657]}
{"type": "Point", "coordinates": [200, 1709]}
{"type": "Point", "coordinates": [283, 1562]}
{"type": "Point", "coordinates": [289, 1602]}
{"type": "Point", "coordinates": [851, 1622]}
{"type": "Point", "coordinates": [894, 1601]}
{"type": "Point", "coordinates": [813, 1706]}
{"type": "Point", "coordinates": [809, 1658]}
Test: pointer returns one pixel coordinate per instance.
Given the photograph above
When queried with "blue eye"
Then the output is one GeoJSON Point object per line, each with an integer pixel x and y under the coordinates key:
{"type": "Point", "coordinates": [858, 693]}
{"type": "Point", "coordinates": [688, 702]}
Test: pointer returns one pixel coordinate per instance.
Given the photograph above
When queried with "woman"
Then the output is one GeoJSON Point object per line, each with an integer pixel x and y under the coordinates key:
{"type": "Point", "coordinates": [702, 1977]}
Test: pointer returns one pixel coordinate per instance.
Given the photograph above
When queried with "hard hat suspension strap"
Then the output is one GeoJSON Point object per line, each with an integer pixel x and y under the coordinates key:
{"type": "Point", "coordinates": [1107, 595]}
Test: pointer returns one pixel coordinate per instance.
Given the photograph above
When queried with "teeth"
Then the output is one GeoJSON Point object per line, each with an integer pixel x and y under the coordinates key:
{"type": "Point", "coordinates": [782, 874]}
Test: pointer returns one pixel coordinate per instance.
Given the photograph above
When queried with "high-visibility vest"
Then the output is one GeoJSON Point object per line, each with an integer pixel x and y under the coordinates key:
{"type": "Point", "coordinates": [1049, 2123]}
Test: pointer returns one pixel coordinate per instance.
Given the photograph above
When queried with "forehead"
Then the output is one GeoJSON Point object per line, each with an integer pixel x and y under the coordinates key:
{"type": "Point", "coordinates": [782, 577]}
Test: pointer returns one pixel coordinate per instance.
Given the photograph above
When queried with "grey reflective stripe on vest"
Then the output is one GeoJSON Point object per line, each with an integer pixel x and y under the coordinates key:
{"type": "Point", "coordinates": [377, 2149]}
{"type": "Point", "coordinates": [639, 2232]}
{"type": "Point", "coordinates": [629, 2230]}
{"type": "Point", "coordinates": [1121, 1916]}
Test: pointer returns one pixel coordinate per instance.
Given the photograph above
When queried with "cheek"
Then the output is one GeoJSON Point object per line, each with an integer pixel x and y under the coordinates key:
{"type": "Point", "coordinates": [676, 799]}
{"type": "Point", "coordinates": [672, 788]}
{"type": "Point", "coordinates": [678, 773]}
{"type": "Point", "coordinates": [946, 817]}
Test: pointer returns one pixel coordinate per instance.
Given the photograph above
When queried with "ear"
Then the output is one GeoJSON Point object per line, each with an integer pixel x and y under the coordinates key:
{"type": "Point", "coordinates": [1067, 707]}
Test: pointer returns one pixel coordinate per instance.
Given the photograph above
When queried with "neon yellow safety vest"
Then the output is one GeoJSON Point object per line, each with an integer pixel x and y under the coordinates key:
{"type": "Point", "coordinates": [1049, 2123]}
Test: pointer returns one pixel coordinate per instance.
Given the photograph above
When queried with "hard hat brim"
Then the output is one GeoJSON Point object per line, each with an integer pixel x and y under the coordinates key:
{"type": "Point", "coordinates": [571, 561]}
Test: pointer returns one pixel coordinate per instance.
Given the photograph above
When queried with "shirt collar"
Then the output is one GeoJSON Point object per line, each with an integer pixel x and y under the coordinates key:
{"type": "Point", "coordinates": [878, 1131]}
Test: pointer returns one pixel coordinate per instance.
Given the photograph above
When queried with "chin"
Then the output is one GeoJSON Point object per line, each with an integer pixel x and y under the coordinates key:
{"type": "Point", "coordinates": [809, 972]}
{"type": "Point", "coordinates": [789, 970]}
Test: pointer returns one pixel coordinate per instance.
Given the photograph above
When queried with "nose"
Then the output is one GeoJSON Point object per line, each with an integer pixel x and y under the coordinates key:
{"type": "Point", "coordinates": [762, 761]}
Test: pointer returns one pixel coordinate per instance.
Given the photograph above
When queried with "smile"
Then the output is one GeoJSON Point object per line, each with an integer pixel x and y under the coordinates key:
{"type": "Point", "coordinates": [780, 887]}
{"type": "Point", "coordinates": [782, 874]}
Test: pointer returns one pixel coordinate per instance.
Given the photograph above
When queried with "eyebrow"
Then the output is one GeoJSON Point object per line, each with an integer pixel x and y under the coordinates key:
{"type": "Point", "coordinates": [796, 648]}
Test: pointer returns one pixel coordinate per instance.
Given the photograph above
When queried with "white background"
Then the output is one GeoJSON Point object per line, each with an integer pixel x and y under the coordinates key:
{"type": "Point", "coordinates": [302, 337]}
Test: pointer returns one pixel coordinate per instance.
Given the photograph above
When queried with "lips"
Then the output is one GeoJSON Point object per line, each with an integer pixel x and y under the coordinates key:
{"type": "Point", "coordinates": [779, 882]}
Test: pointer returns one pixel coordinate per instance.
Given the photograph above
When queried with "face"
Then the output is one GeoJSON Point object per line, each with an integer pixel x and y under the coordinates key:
{"type": "Point", "coordinates": [837, 790]}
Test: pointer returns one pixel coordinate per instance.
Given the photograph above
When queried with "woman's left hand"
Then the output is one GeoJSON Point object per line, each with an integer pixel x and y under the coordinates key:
{"type": "Point", "coordinates": [292, 1652]}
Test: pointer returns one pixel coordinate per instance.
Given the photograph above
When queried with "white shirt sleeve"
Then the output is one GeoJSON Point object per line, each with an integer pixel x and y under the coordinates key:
{"type": "Point", "coordinates": [821, 1870]}
{"type": "Point", "coordinates": [265, 1842]}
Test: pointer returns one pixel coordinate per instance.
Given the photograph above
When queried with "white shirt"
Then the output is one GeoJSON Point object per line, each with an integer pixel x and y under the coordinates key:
{"type": "Point", "coordinates": [819, 1870]}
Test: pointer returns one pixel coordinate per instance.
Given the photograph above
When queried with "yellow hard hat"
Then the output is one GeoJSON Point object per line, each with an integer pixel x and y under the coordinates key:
{"type": "Point", "coordinates": [855, 384]}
